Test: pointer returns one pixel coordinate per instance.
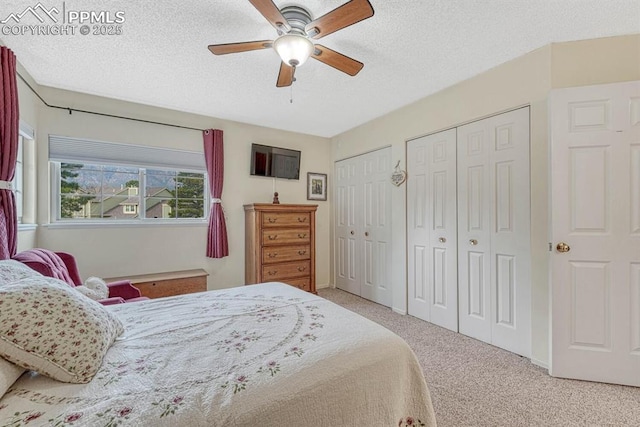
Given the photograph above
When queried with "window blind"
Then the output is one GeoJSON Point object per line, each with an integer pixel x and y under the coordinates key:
{"type": "Point", "coordinates": [65, 149]}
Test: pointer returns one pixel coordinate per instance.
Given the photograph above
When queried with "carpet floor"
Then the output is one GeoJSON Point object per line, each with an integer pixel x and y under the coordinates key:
{"type": "Point", "coordinates": [477, 384]}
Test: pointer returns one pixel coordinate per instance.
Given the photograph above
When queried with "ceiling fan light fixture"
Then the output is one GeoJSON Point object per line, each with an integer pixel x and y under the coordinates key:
{"type": "Point", "coordinates": [293, 49]}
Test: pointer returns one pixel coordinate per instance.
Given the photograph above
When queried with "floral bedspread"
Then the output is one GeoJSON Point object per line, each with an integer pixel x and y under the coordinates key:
{"type": "Point", "coordinates": [260, 355]}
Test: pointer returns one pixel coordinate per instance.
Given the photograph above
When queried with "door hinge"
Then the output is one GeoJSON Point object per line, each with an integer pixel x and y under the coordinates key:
{"type": "Point", "coordinates": [550, 246]}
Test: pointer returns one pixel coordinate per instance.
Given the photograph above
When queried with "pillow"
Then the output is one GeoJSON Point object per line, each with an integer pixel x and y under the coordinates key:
{"type": "Point", "coordinates": [9, 373]}
{"type": "Point", "coordinates": [48, 327]}
{"type": "Point", "coordinates": [94, 288]}
{"type": "Point", "coordinates": [12, 271]}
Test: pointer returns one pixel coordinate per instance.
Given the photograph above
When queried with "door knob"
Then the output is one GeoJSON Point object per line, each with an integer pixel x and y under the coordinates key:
{"type": "Point", "coordinates": [563, 247]}
{"type": "Point", "coordinates": [442, 240]}
{"type": "Point", "coordinates": [366, 233]}
{"type": "Point", "coordinates": [353, 232]}
{"type": "Point", "coordinates": [473, 242]}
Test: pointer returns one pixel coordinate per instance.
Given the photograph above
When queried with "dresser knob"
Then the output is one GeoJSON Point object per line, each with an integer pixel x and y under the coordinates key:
{"type": "Point", "coordinates": [272, 220]}
{"type": "Point", "coordinates": [273, 273]}
{"type": "Point", "coordinates": [273, 255]}
{"type": "Point", "coordinates": [302, 252]}
{"type": "Point", "coordinates": [273, 237]}
{"type": "Point", "coordinates": [302, 219]}
{"type": "Point", "coordinates": [302, 235]}
{"type": "Point", "coordinates": [302, 268]}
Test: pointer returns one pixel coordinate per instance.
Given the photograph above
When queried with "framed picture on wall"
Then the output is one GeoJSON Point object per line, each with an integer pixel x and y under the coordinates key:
{"type": "Point", "coordinates": [316, 186]}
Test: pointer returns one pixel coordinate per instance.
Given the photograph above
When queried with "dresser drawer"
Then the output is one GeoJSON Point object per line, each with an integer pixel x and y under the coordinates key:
{"type": "Point", "coordinates": [285, 219]}
{"type": "Point", "coordinates": [275, 272]}
{"type": "Point", "coordinates": [279, 237]}
{"type": "Point", "coordinates": [304, 284]}
{"type": "Point", "coordinates": [272, 254]}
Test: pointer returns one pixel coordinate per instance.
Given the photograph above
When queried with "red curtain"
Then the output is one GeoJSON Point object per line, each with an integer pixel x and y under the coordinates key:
{"type": "Point", "coordinates": [217, 244]}
{"type": "Point", "coordinates": [9, 127]}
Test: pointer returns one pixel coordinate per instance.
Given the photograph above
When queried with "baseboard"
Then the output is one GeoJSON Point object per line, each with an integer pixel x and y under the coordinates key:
{"type": "Point", "coordinates": [540, 363]}
{"type": "Point", "coordinates": [397, 310]}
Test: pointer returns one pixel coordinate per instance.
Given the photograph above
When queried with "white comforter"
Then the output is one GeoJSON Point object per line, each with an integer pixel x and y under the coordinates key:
{"type": "Point", "coordinates": [261, 355]}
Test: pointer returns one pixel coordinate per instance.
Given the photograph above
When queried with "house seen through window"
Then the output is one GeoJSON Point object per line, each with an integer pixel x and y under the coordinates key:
{"type": "Point", "coordinates": [99, 181]}
{"type": "Point", "coordinates": [91, 191]}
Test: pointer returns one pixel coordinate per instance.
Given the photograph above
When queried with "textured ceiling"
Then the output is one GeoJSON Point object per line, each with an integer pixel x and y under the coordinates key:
{"type": "Point", "coordinates": [410, 48]}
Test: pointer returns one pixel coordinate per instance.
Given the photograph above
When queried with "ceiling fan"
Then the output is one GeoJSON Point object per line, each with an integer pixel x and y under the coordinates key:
{"type": "Point", "coordinates": [296, 32]}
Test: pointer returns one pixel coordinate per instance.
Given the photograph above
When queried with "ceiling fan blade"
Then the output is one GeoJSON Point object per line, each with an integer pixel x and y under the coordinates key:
{"type": "Point", "coordinates": [270, 11]}
{"type": "Point", "coordinates": [223, 49]}
{"type": "Point", "coordinates": [337, 60]}
{"type": "Point", "coordinates": [285, 76]}
{"type": "Point", "coordinates": [348, 14]}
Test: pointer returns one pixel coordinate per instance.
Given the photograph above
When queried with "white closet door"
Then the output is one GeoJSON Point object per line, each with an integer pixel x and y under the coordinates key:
{"type": "Point", "coordinates": [376, 231]}
{"type": "Point", "coordinates": [494, 231]}
{"type": "Point", "coordinates": [474, 235]}
{"type": "Point", "coordinates": [347, 228]}
{"type": "Point", "coordinates": [431, 222]}
{"type": "Point", "coordinates": [511, 232]}
{"type": "Point", "coordinates": [595, 163]}
{"type": "Point", "coordinates": [363, 225]}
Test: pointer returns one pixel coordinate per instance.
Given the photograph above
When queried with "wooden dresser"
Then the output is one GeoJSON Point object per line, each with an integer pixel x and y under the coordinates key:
{"type": "Point", "coordinates": [280, 244]}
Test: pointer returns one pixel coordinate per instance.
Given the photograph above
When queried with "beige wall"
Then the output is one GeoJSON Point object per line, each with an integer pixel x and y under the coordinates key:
{"type": "Point", "coordinates": [126, 250]}
{"type": "Point", "coordinates": [523, 81]}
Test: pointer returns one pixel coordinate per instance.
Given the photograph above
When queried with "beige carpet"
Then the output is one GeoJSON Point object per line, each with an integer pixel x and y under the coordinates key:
{"type": "Point", "coordinates": [476, 384]}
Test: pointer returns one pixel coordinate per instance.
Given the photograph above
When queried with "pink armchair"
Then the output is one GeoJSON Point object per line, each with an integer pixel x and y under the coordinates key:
{"type": "Point", "coordinates": [62, 265]}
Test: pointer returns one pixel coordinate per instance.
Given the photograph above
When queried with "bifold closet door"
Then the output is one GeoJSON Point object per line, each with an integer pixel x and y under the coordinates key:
{"type": "Point", "coordinates": [431, 225]}
{"type": "Point", "coordinates": [363, 225]}
{"type": "Point", "coordinates": [494, 261]}
{"type": "Point", "coordinates": [348, 228]}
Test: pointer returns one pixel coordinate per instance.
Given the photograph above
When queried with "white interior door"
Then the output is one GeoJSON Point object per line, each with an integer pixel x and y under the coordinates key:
{"type": "Point", "coordinates": [474, 236]}
{"type": "Point", "coordinates": [363, 227]}
{"type": "Point", "coordinates": [347, 229]}
{"type": "Point", "coordinates": [431, 226]}
{"type": "Point", "coordinates": [376, 230]}
{"type": "Point", "coordinates": [494, 242]}
{"type": "Point", "coordinates": [595, 190]}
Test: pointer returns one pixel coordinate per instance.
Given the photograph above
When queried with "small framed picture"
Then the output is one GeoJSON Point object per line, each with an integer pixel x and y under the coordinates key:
{"type": "Point", "coordinates": [316, 186]}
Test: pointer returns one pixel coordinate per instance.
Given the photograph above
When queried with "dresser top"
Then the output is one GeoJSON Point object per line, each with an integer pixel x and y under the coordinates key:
{"type": "Point", "coordinates": [280, 207]}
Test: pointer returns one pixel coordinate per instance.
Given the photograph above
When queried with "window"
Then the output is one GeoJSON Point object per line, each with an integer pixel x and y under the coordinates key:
{"type": "Point", "coordinates": [18, 179]}
{"type": "Point", "coordinates": [23, 183]}
{"type": "Point", "coordinates": [132, 188]}
{"type": "Point", "coordinates": [130, 209]}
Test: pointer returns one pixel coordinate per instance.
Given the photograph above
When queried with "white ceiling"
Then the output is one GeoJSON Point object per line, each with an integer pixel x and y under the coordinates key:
{"type": "Point", "coordinates": [410, 48]}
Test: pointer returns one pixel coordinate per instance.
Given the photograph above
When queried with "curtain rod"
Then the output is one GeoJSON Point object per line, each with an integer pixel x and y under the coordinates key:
{"type": "Point", "coordinates": [101, 114]}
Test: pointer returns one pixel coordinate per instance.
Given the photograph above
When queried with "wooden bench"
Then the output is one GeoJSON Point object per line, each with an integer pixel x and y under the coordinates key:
{"type": "Point", "coordinates": [158, 285]}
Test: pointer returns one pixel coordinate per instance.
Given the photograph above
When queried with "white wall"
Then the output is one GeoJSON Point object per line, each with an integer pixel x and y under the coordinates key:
{"type": "Point", "coordinates": [125, 250]}
{"type": "Point", "coordinates": [524, 81]}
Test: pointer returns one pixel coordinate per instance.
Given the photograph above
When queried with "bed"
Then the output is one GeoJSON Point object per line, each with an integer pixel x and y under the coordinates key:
{"type": "Point", "coordinates": [259, 355]}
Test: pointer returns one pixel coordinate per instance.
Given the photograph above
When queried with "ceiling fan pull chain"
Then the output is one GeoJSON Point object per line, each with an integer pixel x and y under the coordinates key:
{"type": "Point", "coordinates": [291, 96]}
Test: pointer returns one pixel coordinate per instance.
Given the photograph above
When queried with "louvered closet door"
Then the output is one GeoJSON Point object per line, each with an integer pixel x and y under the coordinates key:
{"type": "Point", "coordinates": [431, 225]}
{"type": "Point", "coordinates": [494, 261]}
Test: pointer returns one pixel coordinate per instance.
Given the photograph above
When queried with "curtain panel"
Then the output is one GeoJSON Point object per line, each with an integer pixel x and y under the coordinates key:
{"type": "Point", "coordinates": [217, 243]}
{"type": "Point", "coordinates": [9, 128]}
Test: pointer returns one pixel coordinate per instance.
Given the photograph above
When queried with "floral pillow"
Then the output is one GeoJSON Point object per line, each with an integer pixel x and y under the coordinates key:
{"type": "Point", "coordinates": [48, 327]}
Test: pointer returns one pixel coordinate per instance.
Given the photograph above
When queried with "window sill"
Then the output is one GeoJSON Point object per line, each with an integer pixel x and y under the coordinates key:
{"type": "Point", "coordinates": [125, 224]}
{"type": "Point", "coordinates": [27, 227]}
